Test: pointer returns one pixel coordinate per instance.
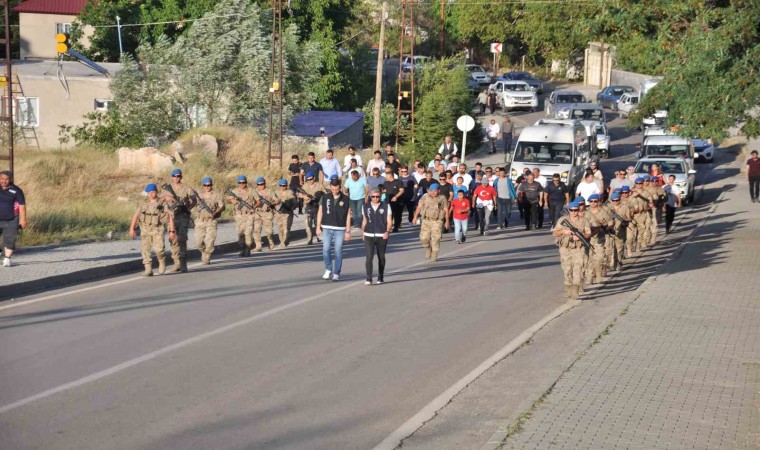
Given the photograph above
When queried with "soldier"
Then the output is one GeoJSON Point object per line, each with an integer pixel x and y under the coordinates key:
{"type": "Point", "coordinates": [286, 203]}
{"type": "Point", "coordinates": [631, 233]}
{"type": "Point", "coordinates": [152, 214]}
{"type": "Point", "coordinates": [658, 196]}
{"type": "Point", "coordinates": [181, 199]}
{"type": "Point", "coordinates": [641, 219]}
{"type": "Point", "coordinates": [600, 223]}
{"type": "Point", "coordinates": [571, 250]}
{"type": "Point", "coordinates": [210, 206]}
{"type": "Point", "coordinates": [264, 214]}
{"type": "Point", "coordinates": [618, 210]}
{"type": "Point", "coordinates": [433, 209]}
{"type": "Point", "coordinates": [244, 214]}
{"type": "Point", "coordinates": [311, 192]}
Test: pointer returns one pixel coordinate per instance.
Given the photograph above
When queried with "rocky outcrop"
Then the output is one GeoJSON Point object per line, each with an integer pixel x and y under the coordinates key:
{"type": "Point", "coordinates": [207, 144]}
{"type": "Point", "coordinates": [145, 160]}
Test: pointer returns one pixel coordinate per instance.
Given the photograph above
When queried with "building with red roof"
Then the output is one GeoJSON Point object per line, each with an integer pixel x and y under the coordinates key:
{"type": "Point", "coordinates": [41, 20]}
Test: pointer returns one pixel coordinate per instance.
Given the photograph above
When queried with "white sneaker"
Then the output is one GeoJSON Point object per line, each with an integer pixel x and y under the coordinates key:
{"type": "Point", "coordinates": [368, 283]}
{"type": "Point", "coordinates": [6, 262]}
{"type": "Point", "coordinates": [326, 276]}
{"type": "Point", "coordinates": [336, 277]}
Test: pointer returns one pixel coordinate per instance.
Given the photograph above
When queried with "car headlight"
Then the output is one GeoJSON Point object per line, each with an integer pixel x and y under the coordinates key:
{"type": "Point", "coordinates": [563, 113]}
{"type": "Point", "coordinates": [563, 177]}
{"type": "Point", "coordinates": [513, 173]}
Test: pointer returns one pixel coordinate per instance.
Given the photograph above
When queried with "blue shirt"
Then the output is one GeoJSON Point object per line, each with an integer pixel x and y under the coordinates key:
{"type": "Point", "coordinates": [356, 188]}
{"type": "Point", "coordinates": [331, 167]}
{"type": "Point", "coordinates": [456, 189]}
{"type": "Point", "coordinates": [374, 182]}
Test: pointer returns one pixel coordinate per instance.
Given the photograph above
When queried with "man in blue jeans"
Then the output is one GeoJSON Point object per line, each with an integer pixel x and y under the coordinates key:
{"type": "Point", "coordinates": [334, 225]}
{"type": "Point", "coordinates": [505, 195]}
{"type": "Point", "coordinates": [357, 191]}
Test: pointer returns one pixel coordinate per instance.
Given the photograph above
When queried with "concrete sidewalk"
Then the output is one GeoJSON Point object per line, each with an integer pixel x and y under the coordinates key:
{"type": "Point", "coordinates": [681, 367]}
{"type": "Point", "coordinates": [36, 269]}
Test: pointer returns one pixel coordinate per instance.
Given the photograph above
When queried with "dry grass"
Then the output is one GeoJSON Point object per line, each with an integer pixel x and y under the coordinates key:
{"type": "Point", "coordinates": [81, 194]}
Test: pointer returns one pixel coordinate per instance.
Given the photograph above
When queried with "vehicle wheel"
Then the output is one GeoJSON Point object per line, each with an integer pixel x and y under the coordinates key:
{"type": "Point", "coordinates": [533, 110]}
{"type": "Point", "coordinates": [691, 197]}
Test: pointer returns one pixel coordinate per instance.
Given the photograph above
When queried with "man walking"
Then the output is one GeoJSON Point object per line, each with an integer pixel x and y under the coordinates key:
{"type": "Point", "coordinates": [622, 216]}
{"type": "Point", "coordinates": [493, 131]}
{"type": "Point", "coordinates": [508, 131]}
{"type": "Point", "coordinates": [311, 193]}
{"type": "Point", "coordinates": [673, 201]}
{"type": "Point", "coordinates": [151, 215]}
{"type": "Point", "coordinates": [210, 206]}
{"type": "Point", "coordinates": [351, 155]}
{"type": "Point", "coordinates": [264, 219]}
{"type": "Point", "coordinates": [334, 225]}
{"type": "Point", "coordinates": [243, 214]}
{"type": "Point", "coordinates": [557, 197]}
{"type": "Point", "coordinates": [482, 101]}
{"type": "Point", "coordinates": [181, 199]}
{"type": "Point", "coordinates": [394, 190]}
{"type": "Point", "coordinates": [11, 196]}
{"type": "Point", "coordinates": [600, 222]}
{"type": "Point", "coordinates": [484, 198]}
{"type": "Point", "coordinates": [376, 226]}
{"type": "Point", "coordinates": [572, 254]}
{"type": "Point", "coordinates": [492, 101]}
{"type": "Point", "coordinates": [505, 195]}
{"type": "Point", "coordinates": [311, 166]}
{"type": "Point", "coordinates": [376, 163]}
{"type": "Point", "coordinates": [540, 179]}
{"type": "Point", "coordinates": [753, 176]}
{"type": "Point", "coordinates": [460, 212]}
{"type": "Point", "coordinates": [434, 211]}
{"type": "Point", "coordinates": [286, 203]}
{"type": "Point", "coordinates": [448, 148]}
{"type": "Point", "coordinates": [357, 191]}
{"type": "Point", "coordinates": [531, 193]}
{"type": "Point", "coordinates": [330, 167]}
{"type": "Point", "coordinates": [408, 200]}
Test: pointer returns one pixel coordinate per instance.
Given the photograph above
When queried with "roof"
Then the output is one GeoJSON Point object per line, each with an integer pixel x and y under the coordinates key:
{"type": "Point", "coordinates": [666, 140]}
{"type": "Point", "coordinates": [71, 69]}
{"type": "Point", "coordinates": [310, 123]}
{"type": "Point", "coordinates": [69, 7]}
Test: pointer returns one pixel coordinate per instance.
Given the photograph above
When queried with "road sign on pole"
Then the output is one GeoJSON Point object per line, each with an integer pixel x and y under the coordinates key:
{"type": "Point", "coordinates": [465, 123]}
{"type": "Point", "coordinates": [496, 47]}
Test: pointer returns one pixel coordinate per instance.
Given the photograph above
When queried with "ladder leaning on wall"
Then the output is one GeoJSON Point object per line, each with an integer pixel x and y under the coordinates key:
{"type": "Point", "coordinates": [25, 132]}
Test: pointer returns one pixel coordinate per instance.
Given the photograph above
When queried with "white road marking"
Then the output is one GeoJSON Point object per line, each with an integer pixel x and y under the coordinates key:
{"type": "Point", "coordinates": [408, 428]}
{"type": "Point", "coordinates": [198, 338]}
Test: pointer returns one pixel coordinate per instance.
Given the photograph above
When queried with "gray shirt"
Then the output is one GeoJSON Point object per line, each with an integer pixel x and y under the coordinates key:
{"type": "Point", "coordinates": [502, 188]}
{"type": "Point", "coordinates": [617, 183]}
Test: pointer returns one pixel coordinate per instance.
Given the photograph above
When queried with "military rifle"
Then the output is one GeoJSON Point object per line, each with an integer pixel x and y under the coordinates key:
{"type": "Point", "coordinates": [312, 198]}
{"type": "Point", "coordinates": [240, 201]}
{"type": "Point", "coordinates": [178, 204]}
{"type": "Point", "coordinates": [202, 203]}
{"type": "Point", "coordinates": [644, 198]}
{"type": "Point", "coordinates": [271, 205]}
{"type": "Point", "coordinates": [619, 218]}
{"type": "Point", "coordinates": [581, 238]}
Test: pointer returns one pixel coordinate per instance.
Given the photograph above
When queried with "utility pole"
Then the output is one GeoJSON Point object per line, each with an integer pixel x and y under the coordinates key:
{"type": "Point", "coordinates": [379, 79]}
{"type": "Point", "coordinates": [275, 87]}
{"type": "Point", "coordinates": [443, 9]}
{"type": "Point", "coordinates": [406, 80]}
{"type": "Point", "coordinates": [118, 31]}
{"type": "Point", "coordinates": [7, 138]}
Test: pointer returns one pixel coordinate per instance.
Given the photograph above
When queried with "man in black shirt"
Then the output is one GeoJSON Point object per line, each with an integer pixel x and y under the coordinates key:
{"type": "Point", "coordinates": [294, 171]}
{"type": "Point", "coordinates": [410, 187]}
{"type": "Point", "coordinates": [11, 198]}
{"type": "Point", "coordinates": [312, 166]}
{"type": "Point", "coordinates": [394, 190]}
{"type": "Point", "coordinates": [557, 196]}
{"type": "Point", "coordinates": [334, 225]}
{"type": "Point", "coordinates": [531, 194]}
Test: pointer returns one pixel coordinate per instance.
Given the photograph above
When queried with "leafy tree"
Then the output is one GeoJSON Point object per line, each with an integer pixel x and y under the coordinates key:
{"type": "Point", "coordinates": [387, 119]}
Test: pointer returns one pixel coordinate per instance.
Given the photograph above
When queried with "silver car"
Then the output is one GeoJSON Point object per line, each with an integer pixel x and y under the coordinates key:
{"type": "Point", "coordinates": [671, 165]}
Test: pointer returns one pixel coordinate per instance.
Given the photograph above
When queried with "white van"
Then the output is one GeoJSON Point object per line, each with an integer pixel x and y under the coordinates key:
{"type": "Point", "coordinates": [553, 146]}
{"type": "Point", "coordinates": [669, 145]}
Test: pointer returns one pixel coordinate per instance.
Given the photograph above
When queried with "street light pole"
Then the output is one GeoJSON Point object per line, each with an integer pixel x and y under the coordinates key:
{"type": "Point", "coordinates": [118, 31]}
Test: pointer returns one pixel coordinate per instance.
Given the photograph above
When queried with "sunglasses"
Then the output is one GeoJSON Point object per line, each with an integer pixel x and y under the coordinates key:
{"type": "Point", "coordinates": [176, 176]}
{"type": "Point", "coordinates": [242, 182]}
{"type": "Point", "coordinates": [574, 210]}
{"type": "Point", "coordinates": [374, 196]}
{"type": "Point", "coordinates": [593, 201]}
{"type": "Point", "coordinates": [261, 184]}
{"type": "Point", "coordinates": [616, 200]}
{"type": "Point", "coordinates": [208, 185]}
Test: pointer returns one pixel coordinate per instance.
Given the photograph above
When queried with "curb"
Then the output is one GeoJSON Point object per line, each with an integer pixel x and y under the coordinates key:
{"type": "Point", "coordinates": [11, 291]}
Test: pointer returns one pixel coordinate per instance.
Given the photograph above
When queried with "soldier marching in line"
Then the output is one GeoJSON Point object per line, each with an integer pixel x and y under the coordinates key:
{"type": "Point", "coordinates": [208, 209]}
{"type": "Point", "coordinates": [572, 253]}
{"type": "Point", "coordinates": [600, 223]}
{"type": "Point", "coordinates": [658, 195]}
{"type": "Point", "coordinates": [618, 235]}
{"type": "Point", "coordinates": [286, 203]}
{"type": "Point", "coordinates": [264, 214]}
{"type": "Point", "coordinates": [244, 214]}
{"type": "Point", "coordinates": [641, 216]}
{"type": "Point", "coordinates": [312, 192]}
{"type": "Point", "coordinates": [631, 232]}
{"type": "Point", "coordinates": [181, 200]}
{"type": "Point", "coordinates": [151, 215]}
{"type": "Point", "coordinates": [434, 210]}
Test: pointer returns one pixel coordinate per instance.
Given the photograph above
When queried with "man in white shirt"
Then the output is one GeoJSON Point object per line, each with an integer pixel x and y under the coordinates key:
{"type": "Point", "coordinates": [419, 173]}
{"type": "Point", "coordinates": [448, 148]}
{"type": "Point", "coordinates": [376, 163]}
{"type": "Point", "coordinates": [673, 202]}
{"type": "Point", "coordinates": [493, 130]}
{"type": "Point", "coordinates": [594, 168]}
{"type": "Point", "coordinates": [537, 177]}
{"type": "Point", "coordinates": [463, 173]}
{"type": "Point", "coordinates": [351, 155]}
{"type": "Point", "coordinates": [588, 186]}
{"type": "Point", "coordinates": [454, 164]}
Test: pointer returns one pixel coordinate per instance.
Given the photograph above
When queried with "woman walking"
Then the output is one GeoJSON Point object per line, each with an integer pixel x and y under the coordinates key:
{"type": "Point", "coordinates": [376, 225]}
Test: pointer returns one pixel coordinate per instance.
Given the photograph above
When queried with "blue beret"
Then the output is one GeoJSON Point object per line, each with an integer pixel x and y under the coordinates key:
{"type": "Point", "coordinates": [176, 172]}
{"type": "Point", "coordinates": [151, 188]}
{"type": "Point", "coordinates": [260, 180]}
{"type": "Point", "coordinates": [309, 175]}
{"type": "Point", "coordinates": [207, 180]}
{"type": "Point", "coordinates": [334, 176]}
{"type": "Point", "coordinates": [242, 179]}
{"type": "Point", "coordinates": [618, 190]}
{"type": "Point", "coordinates": [615, 196]}
{"type": "Point", "coordinates": [639, 180]}
{"type": "Point", "coordinates": [580, 200]}
{"type": "Point", "coordinates": [434, 186]}
{"type": "Point", "coordinates": [625, 189]}
{"type": "Point", "coordinates": [574, 204]}
{"type": "Point", "coordinates": [282, 182]}
{"type": "Point", "coordinates": [653, 178]}
{"type": "Point", "coordinates": [593, 197]}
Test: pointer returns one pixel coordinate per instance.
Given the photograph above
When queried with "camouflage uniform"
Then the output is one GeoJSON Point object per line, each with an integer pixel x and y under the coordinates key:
{"type": "Point", "coordinates": [206, 222]}
{"type": "Point", "coordinates": [433, 213]}
{"type": "Point", "coordinates": [617, 238]}
{"type": "Point", "coordinates": [181, 225]}
{"type": "Point", "coordinates": [657, 194]}
{"type": "Point", "coordinates": [642, 221]}
{"type": "Point", "coordinates": [597, 259]}
{"type": "Point", "coordinates": [264, 219]}
{"type": "Point", "coordinates": [284, 221]}
{"type": "Point", "coordinates": [152, 217]}
{"type": "Point", "coordinates": [311, 209]}
{"type": "Point", "coordinates": [244, 220]}
{"type": "Point", "coordinates": [572, 254]}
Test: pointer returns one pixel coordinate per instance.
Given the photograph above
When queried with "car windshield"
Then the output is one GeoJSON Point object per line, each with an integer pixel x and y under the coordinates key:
{"type": "Point", "coordinates": [571, 99]}
{"type": "Point", "coordinates": [516, 87]}
{"type": "Point", "coordinates": [587, 114]}
{"type": "Point", "coordinates": [544, 152]}
{"type": "Point", "coordinates": [679, 150]}
{"type": "Point", "coordinates": [667, 167]}
{"type": "Point", "coordinates": [475, 69]}
{"type": "Point", "coordinates": [599, 130]}
{"type": "Point", "coordinates": [621, 91]}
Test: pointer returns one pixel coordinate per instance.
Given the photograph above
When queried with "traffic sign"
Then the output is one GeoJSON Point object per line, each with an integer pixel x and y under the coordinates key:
{"type": "Point", "coordinates": [465, 123]}
{"type": "Point", "coordinates": [496, 47]}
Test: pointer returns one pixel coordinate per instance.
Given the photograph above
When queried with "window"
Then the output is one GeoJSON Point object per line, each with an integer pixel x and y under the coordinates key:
{"type": "Point", "coordinates": [62, 28]}
{"type": "Point", "coordinates": [28, 111]}
{"type": "Point", "coordinates": [102, 104]}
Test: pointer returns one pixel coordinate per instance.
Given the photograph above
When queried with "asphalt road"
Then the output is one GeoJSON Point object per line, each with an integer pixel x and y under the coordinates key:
{"type": "Point", "coordinates": [262, 353]}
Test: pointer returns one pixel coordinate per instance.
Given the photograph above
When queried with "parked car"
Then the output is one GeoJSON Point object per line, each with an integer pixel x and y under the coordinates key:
{"type": "Point", "coordinates": [671, 165]}
{"type": "Point", "coordinates": [704, 150]}
{"type": "Point", "coordinates": [627, 104]}
{"type": "Point", "coordinates": [478, 74]}
{"type": "Point", "coordinates": [514, 94]}
{"type": "Point", "coordinates": [581, 111]}
{"type": "Point", "coordinates": [609, 96]}
{"type": "Point", "coordinates": [419, 60]}
{"type": "Point", "coordinates": [535, 83]}
{"type": "Point", "coordinates": [558, 98]}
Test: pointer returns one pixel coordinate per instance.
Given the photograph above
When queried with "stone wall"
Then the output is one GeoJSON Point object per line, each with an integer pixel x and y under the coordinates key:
{"type": "Point", "coordinates": [623, 78]}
